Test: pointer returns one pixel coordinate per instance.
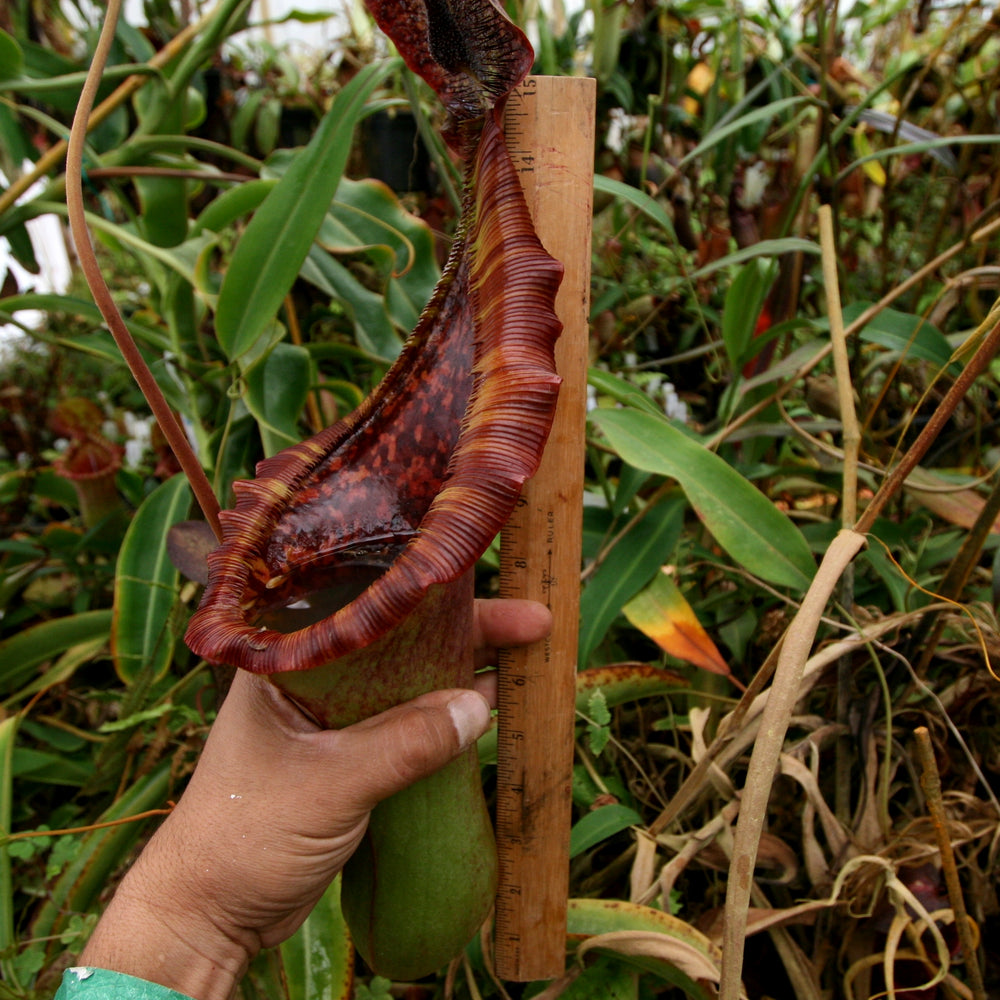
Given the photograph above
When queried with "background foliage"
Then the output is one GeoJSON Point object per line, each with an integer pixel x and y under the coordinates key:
{"type": "Point", "coordinates": [270, 281]}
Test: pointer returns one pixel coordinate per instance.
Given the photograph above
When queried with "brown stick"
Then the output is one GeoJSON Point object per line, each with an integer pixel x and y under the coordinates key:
{"type": "Point", "coordinates": [930, 781]}
{"type": "Point", "coordinates": [550, 129]}
{"type": "Point", "coordinates": [162, 413]}
{"type": "Point", "coordinates": [976, 365]}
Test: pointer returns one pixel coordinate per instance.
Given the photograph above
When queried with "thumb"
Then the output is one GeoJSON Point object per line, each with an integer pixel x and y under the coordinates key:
{"type": "Point", "coordinates": [397, 748]}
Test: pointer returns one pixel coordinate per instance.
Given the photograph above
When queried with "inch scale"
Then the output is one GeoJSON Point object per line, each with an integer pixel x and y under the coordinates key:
{"type": "Point", "coordinates": [549, 129]}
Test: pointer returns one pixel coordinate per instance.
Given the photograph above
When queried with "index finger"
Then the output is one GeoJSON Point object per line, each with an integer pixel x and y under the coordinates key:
{"type": "Point", "coordinates": [509, 622]}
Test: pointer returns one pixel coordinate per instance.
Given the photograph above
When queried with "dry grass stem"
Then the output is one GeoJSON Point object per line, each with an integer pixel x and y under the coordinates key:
{"type": "Point", "coordinates": [692, 844]}
{"type": "Point", "coordinates": [767, 751]}
{"type": "Point", "coordinates": [842, 368]}
{"type": "Point", "coordinates": [642, 875]}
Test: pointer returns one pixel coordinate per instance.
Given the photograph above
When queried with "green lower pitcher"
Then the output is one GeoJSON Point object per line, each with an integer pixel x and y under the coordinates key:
{"type": "Point", "coordinates": [423, 880]}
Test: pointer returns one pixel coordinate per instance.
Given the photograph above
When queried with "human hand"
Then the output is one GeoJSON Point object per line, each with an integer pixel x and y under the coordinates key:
{"type": "Point", "coordinates": [274, 809]}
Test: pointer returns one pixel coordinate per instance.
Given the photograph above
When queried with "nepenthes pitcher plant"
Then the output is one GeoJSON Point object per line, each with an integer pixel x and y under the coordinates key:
{"type": "Point", "coordinates": [345, 569]}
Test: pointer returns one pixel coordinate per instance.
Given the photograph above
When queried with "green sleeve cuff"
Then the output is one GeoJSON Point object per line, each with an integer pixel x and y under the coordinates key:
{"type": "Point", "coordinates": [102, 984]}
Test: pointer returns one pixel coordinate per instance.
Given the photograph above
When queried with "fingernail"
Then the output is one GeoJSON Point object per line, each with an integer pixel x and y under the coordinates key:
{"type": "Point", "coordinates": [470, 713]}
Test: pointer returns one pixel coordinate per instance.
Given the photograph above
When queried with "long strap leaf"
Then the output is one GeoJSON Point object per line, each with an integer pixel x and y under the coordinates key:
{"type": "Point", "coordinates": [270, 254]}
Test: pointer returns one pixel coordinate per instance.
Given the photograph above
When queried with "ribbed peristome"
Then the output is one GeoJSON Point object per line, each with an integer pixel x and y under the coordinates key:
{"type": "Point", "coordinates": [422, 476]}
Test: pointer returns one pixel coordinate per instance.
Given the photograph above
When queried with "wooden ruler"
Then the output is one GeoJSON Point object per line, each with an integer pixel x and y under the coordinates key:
{"type": "Point", "coordinates": [549, 126]}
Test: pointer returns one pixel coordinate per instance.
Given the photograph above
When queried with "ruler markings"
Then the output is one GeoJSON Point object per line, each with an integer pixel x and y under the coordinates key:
{"type": "Point", "coordinates": [549, 127]}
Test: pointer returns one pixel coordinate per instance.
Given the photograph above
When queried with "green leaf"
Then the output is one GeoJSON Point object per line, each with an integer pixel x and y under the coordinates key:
{"type": "Point", "coordinates": [180, 259]}
{"type": "Point", "coordinates": [15, 578]}
{"type": "Point", "coordinates": [765, 248]}
{"type": "Point", "coordinates": [373, 329]}
{"type": "Point", "coordinates": [51, 768]}
{"type": "Point", "coordinates": [43, 62]}
{"type": "Point", "coordinates": [620, 390]}
{"type": "Point", "coordinates": [269, 255]}
{"type": "Point", "coordinates": [28, 963]}
{"type": "Point", "coordinates": [61, 670]}
{"type": "Point", "coordinates": [598, 738]}
{"type": "Point", "coordinates": [8, 730]}
{"type": "Point", "coordinates": [910, 148]}
{"type": "Point", "coordinates": [597, 708]}
{"type": "Point", "coordinates": [68, 83]}
{"type": "Point", "coordinates": [142, 641]}
{"type": "Point", "coordinates": [11, 57]}
{"type": "Point", "coordinates": [244, 117]}
{"type": "Point", "coordinates": [231, 205]}
{"type": "Point", "coordinates": [276, 392]}
{"type": "Point", "coordinates": [626, 569]}
{"type": "Point", "coordinates": [744, 300]}
{"type": "Point", "coordinates": [137, 718]}
{"type": "Point", "coordinates": [64, 851]}
{"type": "Point", "coordinates": [164, 206]}
{"type": "Point", "coordinates": [135, 43]}
{"type": "Point", "coordinates": [57, 739]}
{"type": "Point", "coordinates": [604, 979]}
{"type": "Point", "coordinates": [318, 959]}
{"type": "Point", "coordinates": [23, 850]}
{"type": "Point", "coordinates": [22, 248]}
{"type": "Point", "coordinates": [368, 214]}
{"type": "Point", "coordinates": [744, 522]}
{"type": "Point", "coordinates": [23, 652]}
{"type": "Point", "coordinates": [910, 335]}
{"type": "Point", "coordinates": [267, 125]}
{"type": "Point", "coordinates": [378, 988]}
{"type": "Point", "coordinates": [599, 825]}
{"type": "Point", "coordinates": [303, 16]}
{"type": "Point", "coordinates": [650, 207]}
{"type": "Point", "coordinates": [15, 146]}
{"type": "Point", "coordinates": [143, 332]}
{"type": "Point", "coordinates": [598, 732]}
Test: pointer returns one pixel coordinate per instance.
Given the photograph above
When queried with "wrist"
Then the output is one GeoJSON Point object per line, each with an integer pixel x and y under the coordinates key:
{"type": "Point", "coordinates": [151, 932]}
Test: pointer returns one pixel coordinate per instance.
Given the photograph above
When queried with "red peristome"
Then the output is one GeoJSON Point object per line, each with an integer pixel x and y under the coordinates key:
{"type": "Point", "coordinates": [91, 463]}
{"type": "Point", "coordinates": [422, 476]}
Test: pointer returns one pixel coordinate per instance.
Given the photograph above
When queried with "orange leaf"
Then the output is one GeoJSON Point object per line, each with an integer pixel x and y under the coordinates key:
{"type": "Point", "coordinates": [662, 613]}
